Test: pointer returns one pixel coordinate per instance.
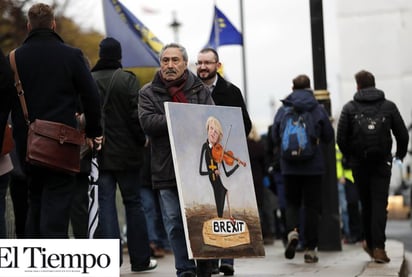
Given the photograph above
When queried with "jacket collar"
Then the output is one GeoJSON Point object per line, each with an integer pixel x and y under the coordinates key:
{"type": "Point", "coordinates": [43, 33]}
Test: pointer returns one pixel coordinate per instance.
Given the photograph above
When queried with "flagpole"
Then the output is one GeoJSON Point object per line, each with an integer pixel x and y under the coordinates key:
{"type": "Point", "coordinates": [243, 52]}
{"type": "Point", "coordinates": [216, 28]}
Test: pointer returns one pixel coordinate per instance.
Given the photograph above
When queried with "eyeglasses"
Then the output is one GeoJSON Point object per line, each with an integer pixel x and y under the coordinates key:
{"type": "Point", "coordinates": [205, 63]}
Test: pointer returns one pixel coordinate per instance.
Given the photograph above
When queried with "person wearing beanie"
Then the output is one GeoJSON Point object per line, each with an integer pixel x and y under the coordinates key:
{"type": "Point", "coordinates": [121, 158]}
{"type": "Point", "coordinates": [110, 49]}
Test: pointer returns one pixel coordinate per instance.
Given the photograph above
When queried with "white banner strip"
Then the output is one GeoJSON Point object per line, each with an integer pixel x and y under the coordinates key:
{"type": "Point", "coordinates": [59, 257]}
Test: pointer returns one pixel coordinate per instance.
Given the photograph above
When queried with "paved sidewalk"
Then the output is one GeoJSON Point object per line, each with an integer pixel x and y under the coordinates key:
{"type": "Point", "coordinates": [351, 261]}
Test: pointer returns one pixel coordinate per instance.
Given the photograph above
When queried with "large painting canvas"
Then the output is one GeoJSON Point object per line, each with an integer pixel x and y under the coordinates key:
{"type": "Point", "coordinates": [214, 180]}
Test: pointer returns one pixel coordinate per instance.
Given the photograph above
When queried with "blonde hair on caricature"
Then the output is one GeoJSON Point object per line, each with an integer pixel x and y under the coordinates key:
{"type": "Point", "coordinates": [216, 123]}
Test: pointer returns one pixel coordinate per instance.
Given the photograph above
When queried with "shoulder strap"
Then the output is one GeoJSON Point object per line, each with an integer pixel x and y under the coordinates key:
{"type": "Point", "coordinates": [106, 97]}
{"type": "Point", "coordinates": [19, 86]}
{"type": "Point", "coordinates": [109, 88]}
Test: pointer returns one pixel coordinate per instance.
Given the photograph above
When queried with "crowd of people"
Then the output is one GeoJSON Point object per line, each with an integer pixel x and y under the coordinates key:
{"type": "Point", "coordinates": [125, 122]}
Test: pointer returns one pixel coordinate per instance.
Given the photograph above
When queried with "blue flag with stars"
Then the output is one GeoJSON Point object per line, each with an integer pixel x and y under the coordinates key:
{"type": "Point", "coordinates": [223, 31]}
{"type": "Point", "coordinates": [140, 47]}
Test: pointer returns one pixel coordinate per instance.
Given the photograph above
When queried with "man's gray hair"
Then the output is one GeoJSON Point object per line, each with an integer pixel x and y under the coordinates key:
{"type": "Point", "coordinates": [174, 45]}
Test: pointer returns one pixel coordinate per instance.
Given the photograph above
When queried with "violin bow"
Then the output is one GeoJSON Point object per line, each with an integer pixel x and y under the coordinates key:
{"type": "Point", "coordinates": [227, 139]}
{"type": "Point", "coordinates": [227, 193]}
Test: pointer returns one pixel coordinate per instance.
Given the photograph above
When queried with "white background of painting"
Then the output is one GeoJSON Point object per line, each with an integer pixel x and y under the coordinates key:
{"type": "Point", "coordinates": [187, 131]}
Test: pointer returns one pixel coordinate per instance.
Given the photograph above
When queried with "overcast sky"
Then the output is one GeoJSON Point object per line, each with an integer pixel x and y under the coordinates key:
{"type": "Point", "coordinates": [277, 41]}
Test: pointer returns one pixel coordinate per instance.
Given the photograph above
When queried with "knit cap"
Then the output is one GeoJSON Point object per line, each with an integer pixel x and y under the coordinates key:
{"type": "Point", "coordinates": [110, 49]}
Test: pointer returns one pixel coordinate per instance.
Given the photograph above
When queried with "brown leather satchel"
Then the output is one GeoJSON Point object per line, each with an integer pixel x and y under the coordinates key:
{"type": "Point", "coordinates": [8, 141]}
{"type": "Point", "coordinates": [50, 144]}
{"type": "Point", "coordinates": [54, 145]}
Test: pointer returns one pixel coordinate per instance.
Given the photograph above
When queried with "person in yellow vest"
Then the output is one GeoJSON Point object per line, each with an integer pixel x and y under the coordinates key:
{"type": "Point", "coordinates": [348, 201]}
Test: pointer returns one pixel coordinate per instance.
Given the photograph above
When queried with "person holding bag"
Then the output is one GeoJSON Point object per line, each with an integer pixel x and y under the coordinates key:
{"type": "Point", "coordinates": [53, 75]}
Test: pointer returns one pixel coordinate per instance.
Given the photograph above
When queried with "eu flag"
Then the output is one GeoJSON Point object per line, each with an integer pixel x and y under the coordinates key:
{"type": "Point", "coordinates": [223, 31]}
{"type": "Point", "coordinates": [140, 47]}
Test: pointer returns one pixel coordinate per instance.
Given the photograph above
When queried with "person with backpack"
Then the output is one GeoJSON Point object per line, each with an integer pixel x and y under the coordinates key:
{"type": "Point", "coordinates": [300, 126]}
{"type": "Point", "coordinates": [364, 138]}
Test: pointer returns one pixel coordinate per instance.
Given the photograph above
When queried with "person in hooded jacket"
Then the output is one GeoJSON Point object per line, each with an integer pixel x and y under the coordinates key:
{"type": "Point", "coordinates": [372, 176]}
{"type": "Point", "coordinates": [303, 179]}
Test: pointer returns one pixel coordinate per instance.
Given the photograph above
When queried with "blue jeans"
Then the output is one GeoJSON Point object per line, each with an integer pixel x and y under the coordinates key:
{"type": "Point", "coordinates": [172, 219]}
{"type": "Point", "coordinates": [343, 206]}
{"type": "Point", "coordinates": [155, 227]}
{"type": "Point", "coordinates": [137, 238]}
{"type": "Point", "coordinates": [4, 183]}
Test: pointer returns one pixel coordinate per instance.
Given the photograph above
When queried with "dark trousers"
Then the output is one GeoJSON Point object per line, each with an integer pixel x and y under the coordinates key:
{"type": "Point", "coordinates": [79, 213]}
{"type": "Point", "coordinates": [304, 191]}
{"type": "Point", "coordinates": [4, 184]}
{"type": "Point", "coordinates": [19, 197]}
{"type": "Point", "coordinates": [373, 182]}
{"type": "Point", "coordinates": [50, 196]}
{"type": "Point", "coordinates": [354, 211]}
{"type": "Point", "coordinates": [220, 193]}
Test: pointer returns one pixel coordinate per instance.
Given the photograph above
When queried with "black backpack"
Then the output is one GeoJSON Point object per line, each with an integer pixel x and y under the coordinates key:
{"type": "Point", "coordinates": [371, 132]}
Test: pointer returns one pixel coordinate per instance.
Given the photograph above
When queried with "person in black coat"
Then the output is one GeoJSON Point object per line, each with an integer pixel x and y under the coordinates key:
{"type": "Point", "coordinates": [372, 176]}
{"type": "Point", "coordinates": [122, 155]}
{"type": "Point", "coordinates": [53, 76]}
{"type": "Point", "coordinates": [257, 162]}
{"type": "Point", "coordinates": [224, 93]}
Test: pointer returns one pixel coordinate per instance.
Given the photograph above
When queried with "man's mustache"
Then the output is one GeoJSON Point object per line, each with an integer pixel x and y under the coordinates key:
{"type": "Point", "coordinates": [170, 71]}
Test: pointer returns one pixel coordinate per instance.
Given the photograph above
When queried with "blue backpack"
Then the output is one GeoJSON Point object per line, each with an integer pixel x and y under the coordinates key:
{"type": "Point", "coordinates": [298, 135]}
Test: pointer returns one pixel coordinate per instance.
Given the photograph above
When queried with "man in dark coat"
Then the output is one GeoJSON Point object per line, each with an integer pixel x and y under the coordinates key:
{"type": "Point", "coordinates": [121, 157]}
{"type": "Point", "coordinates": [224, 93]}
{"type": "Point", "coordinates": [372, 176]}
{"type": "Point", "coordinates": [172, 83]}
{"type": "Point", "coordinates": [53, 76]}
{"type": "Point", "coordinates": [303, 178]}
